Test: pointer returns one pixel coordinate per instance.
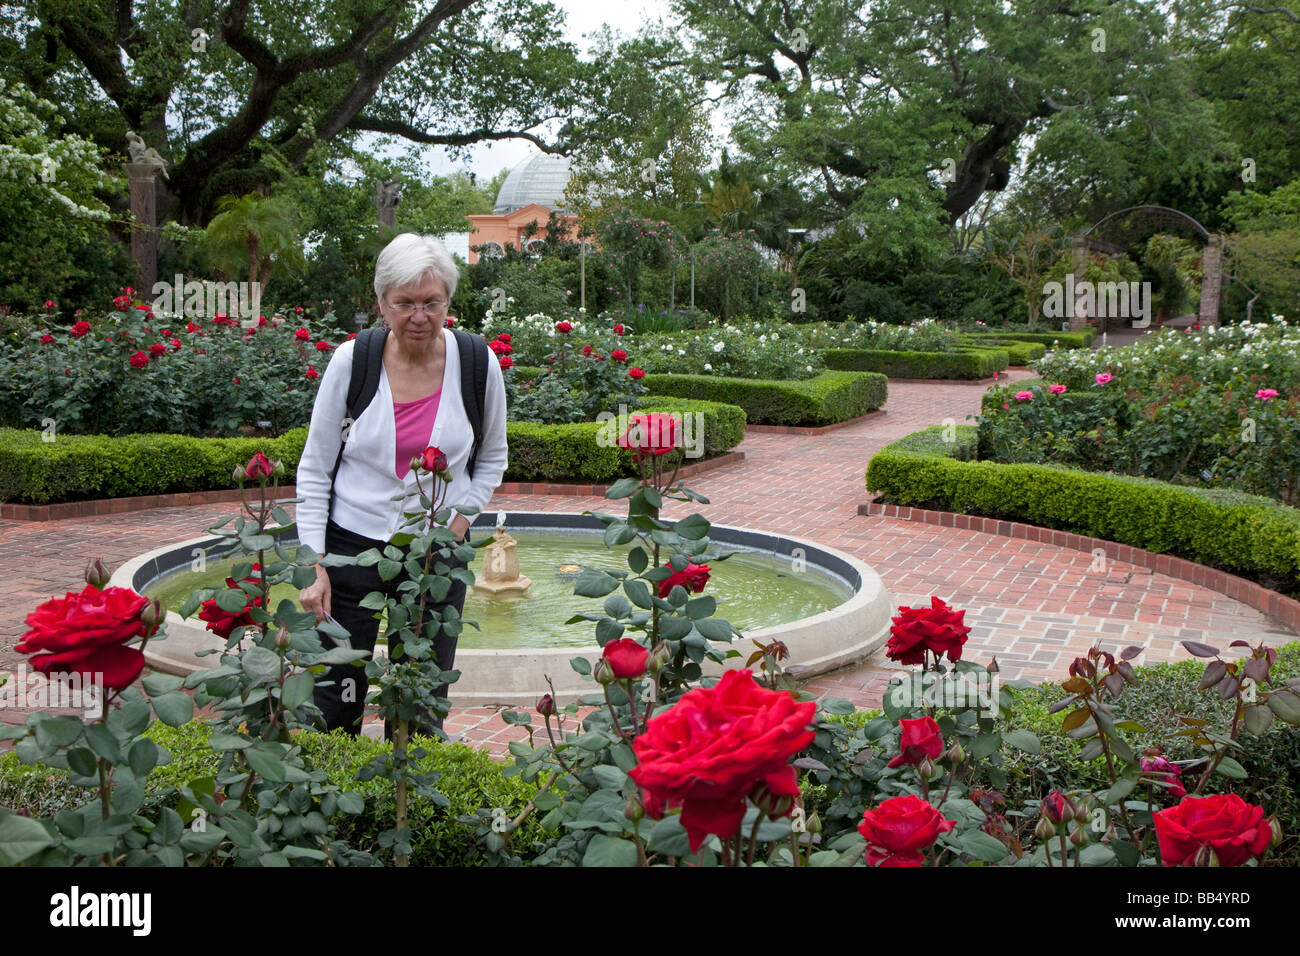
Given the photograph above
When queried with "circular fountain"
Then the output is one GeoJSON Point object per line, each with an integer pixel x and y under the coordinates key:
{"type": "Point", "coordinates": [828, 608]}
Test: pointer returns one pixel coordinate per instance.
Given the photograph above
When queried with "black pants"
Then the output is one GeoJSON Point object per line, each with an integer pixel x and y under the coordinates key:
{"type": "Point", "coordinates": [343, 702]}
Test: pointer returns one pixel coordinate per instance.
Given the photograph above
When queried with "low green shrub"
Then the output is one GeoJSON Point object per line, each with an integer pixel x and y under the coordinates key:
{"type": "Point", "coordinates": [1019, 353]}
{"type": "Point", "coordinates": [965, 363]}
{"type": "Point", "coordinates": [830, 397]}
{"type": "Point", "coordinates": [1244, 534]}
{"type": "Point", "coordinates": [1076, 339]}
{"type": "Point", "coordinates": [84, 467]}
{"type": "Point", "coordinates": [470, 779]}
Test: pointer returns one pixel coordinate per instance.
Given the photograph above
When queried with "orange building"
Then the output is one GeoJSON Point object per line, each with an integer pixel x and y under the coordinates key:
{"type": "Point", "coordinates": [533, 190]}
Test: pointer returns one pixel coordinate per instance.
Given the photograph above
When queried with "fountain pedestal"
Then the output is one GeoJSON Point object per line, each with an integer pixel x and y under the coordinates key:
{"type": "Point", "coordinates": [501, 568]}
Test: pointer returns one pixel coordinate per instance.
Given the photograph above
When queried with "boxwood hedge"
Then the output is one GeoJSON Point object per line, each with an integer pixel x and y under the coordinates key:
{"type": "Point", "coordinates": [964, 363]}
{"type": "Point", "coordinates": [823, 400]}
{"type": "Point", "coordinates": [1245, 534]}
{"type": "Point", "coordinates": [1076, 339]}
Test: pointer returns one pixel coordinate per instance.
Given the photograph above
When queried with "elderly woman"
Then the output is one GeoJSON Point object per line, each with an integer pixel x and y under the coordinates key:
{"type": "Point", "coordinates": [418, 403]}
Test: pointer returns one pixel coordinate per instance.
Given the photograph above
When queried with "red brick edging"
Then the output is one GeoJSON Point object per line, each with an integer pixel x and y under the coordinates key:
{"type": "Point", "coordinates": [1275, 605]}
{"type": "Point", "coordinates": [109, 506]}
{"type": "Point", "coordinates": [811, 429]}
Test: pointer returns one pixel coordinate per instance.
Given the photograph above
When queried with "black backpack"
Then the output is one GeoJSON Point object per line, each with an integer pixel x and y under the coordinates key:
{"type": "Point", "coordinates": [367, 360]}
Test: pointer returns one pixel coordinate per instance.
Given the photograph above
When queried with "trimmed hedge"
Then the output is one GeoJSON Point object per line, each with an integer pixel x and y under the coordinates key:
{"type": "Point", "coordinates": [1019, 353]}
{"type": "Point", "coordinates": [968, 363]}
{"type": "Point", "coordinates": [823, 400]}
{"type": "Point", "coordinates": [1077, 339]}
{"type": "Point", "coordinates": [470, 779]}
{"type": "Point", "coordinates": [1244, 534]}
{"type": "Point", "coordinates": [83, 467]}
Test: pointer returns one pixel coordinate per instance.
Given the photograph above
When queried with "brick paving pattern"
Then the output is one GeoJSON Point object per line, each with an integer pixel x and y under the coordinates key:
{"type": "Point", "coordinates": [1034, 606]}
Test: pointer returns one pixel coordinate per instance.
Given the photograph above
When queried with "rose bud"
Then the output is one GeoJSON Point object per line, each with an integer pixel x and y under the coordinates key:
{"type": "Point", "coordinates": [813, 823]}
{"type": "Point", "coordinates": [546, 705]}
{"type": "Point", "coordinates": [632, 810]}
{"type": "Point", "coordinates": [659, 656]}
{"type": "Point", "coordinates": [773, 804]}
{"type": "Point", "coordinates": [96, 574]}
{"type": "Point", "coordinates": [926, 768]}
{"type": "Point", "coordinates": [152, 613]}
{"type": "Point", "coordinates": [1045, 830]}
{"type": "Point", "coordinates": [956, 754]}
{"type": "Point", "coordinates": [1277, 830]}
{"type": "Point", "coordinates": [992, 666]}
{"type": "Point", "coordinates": [282, 639]}
{"type": "Point", "coordinates": [239, 475]}
{"type": "Point", "coordinates": [603, 673]}
{"type": "Point", "coordinates": [1078, 837]}
{"type": "Point", "coordinates": [259, 467]}
{"type": "Point", "coordinates": [277, 468]}
{"type": "Point", "coordinates": [1057, 807]}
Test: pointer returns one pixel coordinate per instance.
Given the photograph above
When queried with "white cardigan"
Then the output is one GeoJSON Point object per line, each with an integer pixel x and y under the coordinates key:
{"type": "Point", "coordinates": [366, 481]}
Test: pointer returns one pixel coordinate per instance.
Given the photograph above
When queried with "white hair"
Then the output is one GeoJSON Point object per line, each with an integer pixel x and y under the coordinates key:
{"type": "Point", "coordinates": [410, 259]}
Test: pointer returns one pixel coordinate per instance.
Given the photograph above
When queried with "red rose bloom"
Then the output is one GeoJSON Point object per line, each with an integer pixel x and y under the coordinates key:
{"type": "Point", "coordinates": [46, 339]}
{"type": "Point", "coordinates": [505, 337]}
{"type": "Point", "coordinates": [636, 373]}
{"type": "Point", "coordinates": [258, 467]}
{"type": "Point", "coordinates": [312, 373]}
{"type": "Point", "coordinates": [655, 433]}
{"type": "Point", "coordinates": [921, 739]}
{"type": "Point", "coordinates": [139, 360]}
{"type": "Point", "coordinates": [618, 329]}
{"type": "Point", "coordinates": [157, 349]}
{"type": "Point", "coordinates": [586, 350]}
{"type": "Point", "coordinates": [715, 745]}
{"type": "Point", "coordinates": [322, 346]}
{"type": "Point", "coordinates": [80, 328]}
{"type": "Point", "coordinates": [86, 634]}
{"type": "Point", "coordinates": [564, 328]}
{"type": "Point", "coordinates": [122, 303]}
{"type": "Point", "coordinates": [351, 336]}
{"type": "Point", "coordinates": [433, 459]}
{"type": "Point", "coordinates": [261, 320]}
{"type": "Point", "coordinates": [1234, 829]}
{"type": "Point", "coordinates": [506, 362]}
{"type": "Point", "coordinates": [450, 321]}
{"type": "Point", "coordinates": [176, 345]}
{"type": "Point", "coordinates": [298, 309]}
{"type": "Point", "coordinates": [222, 622]}
{"type": "Point", "coordinates": [626, 658]}
{"type": "Point", "coordinates": [302, 335]}
{"type": "Point", "coordinates": [937, 628]}
{"type": "Point", "coordinates": [1054, 807]}
{"type": "Point", "coordinates": [693, 578]}
{"type": "Point", "coordinates": [618, 355]}
{"type": "Point", "coordinates": [193, 327]}
{"type": "Point", "coordinates": [899, 829]}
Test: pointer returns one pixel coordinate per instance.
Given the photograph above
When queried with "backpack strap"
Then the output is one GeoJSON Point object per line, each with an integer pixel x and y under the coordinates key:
{"type": "Point", "coordinates": [367, 364]}
{"type": "Point", "coordinates": [473, 386]}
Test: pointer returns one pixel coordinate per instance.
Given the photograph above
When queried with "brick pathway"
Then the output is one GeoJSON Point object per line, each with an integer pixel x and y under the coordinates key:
{"type": "Point", "coordinates": [1034, 606]}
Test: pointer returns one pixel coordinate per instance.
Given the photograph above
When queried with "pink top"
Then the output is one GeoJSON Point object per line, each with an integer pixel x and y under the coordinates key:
{"type": "Point", "coordinates": [414, 426]}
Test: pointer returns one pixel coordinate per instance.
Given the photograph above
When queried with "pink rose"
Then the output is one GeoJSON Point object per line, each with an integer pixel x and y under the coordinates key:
{"type": "Point", "coordinates": [1058, 389]}
{"type": "Point", "coordinates": [1104, 378]}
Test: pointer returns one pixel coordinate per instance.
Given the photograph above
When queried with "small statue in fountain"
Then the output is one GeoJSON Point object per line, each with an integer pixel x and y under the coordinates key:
{"type": "Point", "coordinates": [501, 564]}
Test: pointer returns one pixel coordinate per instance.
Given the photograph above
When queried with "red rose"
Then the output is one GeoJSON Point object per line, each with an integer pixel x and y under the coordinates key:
{"type": "Point", "coordinates": [86, 634]}
{"type": "Point", "coordinates": [693, 578]}
{"type": "Point", "coordinates": [312, 373]}
{"type": "Point", "coordinates": [586, 350]}
{"type": "Point", "coordinates": [618, 355]}
{"type": "Point", "coordinates": [505, 337]}
{"type": "Point", "coordinates": [618, 329]}
{"type": "Point", "coordinates": [450, 321]}
{"type": "Point", "coordinates": [298, 309]}
{"type": "Point", "coordinates": [258, 467]}
{"type": "Point", "coordinates": [222, 622]}
{"type": "Point", "coordinates": [626, 657]}
{"type": "Point", "coordinates": [899, 829]}
{"type": "Point", "coordinates": [122, 303]}
{"type": "Point", "coordinates": [157, 349]}
{"type": "Point", "coordinates": [139, 360]}
{"type": "Point", "coordinates": [1172, 772]}
{"type": "Point", "coordinates": [1232, 828]}
{"type": "Point", "coordinates": [937, 628]}
{"type": "Point", "coordinates": [351, 336]}
{"type": "Point", "coordinates": [302, 335]}
{"type": "Point", "coordinates": [564, 328]}
{"type": "Point", "coordinates": [322, 346]}
{"type": "Point", "coordinates": [714, 746]}
{"type": "Point", "coordinates": [49, 303]}
{"type": "Point", "coordinates": [1057, 807]}
{"type": "Point", "coordinates": [921, 739]}
{"type": "Point", "coordinates": [655, 433]}
{"type": "Point", "coordinates": [506, 361]}
{"type": "Point", "coordinates": [433, 459]}
{"type": "Point", "coordinates": [80, 328]}
{"type": "Point", "coordinates": [193, 326]}
{"type": "Point", "coordinates": [46, 339]}
{"type": "Point", "coordinates": [498, 347]}
{"type": "Point", "coordinates": [261, 320]}
{"type": "Point", "coordinates": [236, 381]}
{"type": "Point", "coordinates": [636, 373]}
{"type": "Point", "coordinates": [176, 345]}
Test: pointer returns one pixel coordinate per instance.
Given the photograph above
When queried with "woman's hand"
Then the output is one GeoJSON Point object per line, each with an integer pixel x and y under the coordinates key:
{"type": "Point", "coordinates": [316, 597]}
{"type": "Point", "coordinates": [459, 526]}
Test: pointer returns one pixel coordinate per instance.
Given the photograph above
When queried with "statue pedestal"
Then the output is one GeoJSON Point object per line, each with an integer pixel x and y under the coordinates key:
{"type": "Point", "coordinates": [501, 568]}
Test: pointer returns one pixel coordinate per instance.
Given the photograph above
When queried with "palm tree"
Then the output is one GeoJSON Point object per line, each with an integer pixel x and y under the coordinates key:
{"type": "Point", "coordinates": [258, 231]}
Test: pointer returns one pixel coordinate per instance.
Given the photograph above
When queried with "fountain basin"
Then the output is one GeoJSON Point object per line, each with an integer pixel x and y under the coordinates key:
{"type": "Point", "coordinates": [852, 629]}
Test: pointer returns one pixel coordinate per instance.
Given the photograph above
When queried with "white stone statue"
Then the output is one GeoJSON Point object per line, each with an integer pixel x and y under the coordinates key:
{"type": "Point", "coordinates": [144, 155]}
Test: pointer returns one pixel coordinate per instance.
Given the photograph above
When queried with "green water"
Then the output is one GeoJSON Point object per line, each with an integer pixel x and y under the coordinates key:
{"type": "Point", "coordinates": [753, 590]}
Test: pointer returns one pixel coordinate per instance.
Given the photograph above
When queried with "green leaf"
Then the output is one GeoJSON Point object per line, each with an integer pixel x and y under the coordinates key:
{"type": "Point", "coordinates": [265, 765]}
{"type": "Point", "coordinates": [637, 559]}
{"type": "Point", "coordinates": [131, 719]}
{"type": "Point", "coordinates": [388, 569]}
{"type": "Point", "coordinates": [351, 802]}
{"type": "Point", "coordinates": [594, 583]}
{"type": "Point", "coordinates": [608, 630]}
{"type": "Point", "coordinates": [580, 665]}
{"type": "Point", "coordinates": [715, 629]}
{"type": "Point", "coordinates": [155, 685]}
{"type": "Point", "coordinates": [604, 850]}
{"type": "Point", "coordinates": [701, 607]}
{"type": "Point", "coordinates": [837, 705]}
{"type": "Point", "coordinates": [693, 527]}
{"type": "Point", "coordinates": [617, 606]}
{"type": "Point", "coordinates": [639, 592]}
{"type": "Point", "coordinates": [673, 628]}
{"type": "Point", "coordinates": [1096, 854]}
{"type": "Point", "coordinates": [980, 845]}
{"type": "Point", "coordinates": [1258, 719]}
{"type": "Point", "coordinates": [1022, 740]}
{"type": "Point", "coordinates": [22, 838]}
{"type": "Point", "coordinates": [619, 533]}
{"type": "Point", "coordinates": [297, 690]}
{"type": "Point", "coordinates": [985, 744]}
{"type": "Point", "coordinates": [82, 761]}
{"type": "Point", "coordinates": [55, 732]}
{"type": "Point", "coordinates": [669, 837]}
{"type": "Point", "coordinates": [623, 488]}
{"type": "Point", "coordinates": [143, 756]}
{"type": "Point", "coordinates": [103, 742]}
{"type": "Point", "coordinates": [174, 709]}
{"type": "Point", "coordinates": [1285, 705]}
{"type": "Point", "coordinates": [261, 665]}
{"type": "Point", "coordinates": [1230, 768]}
{"type": "Point", "coordinates": [1121, 789]}
{"type": "Point", "coordinates": [609, 777]}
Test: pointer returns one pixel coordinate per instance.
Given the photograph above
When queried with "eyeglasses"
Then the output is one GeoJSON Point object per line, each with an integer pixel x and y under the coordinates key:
{"type": "Point", "coordinates": [404, 310]}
